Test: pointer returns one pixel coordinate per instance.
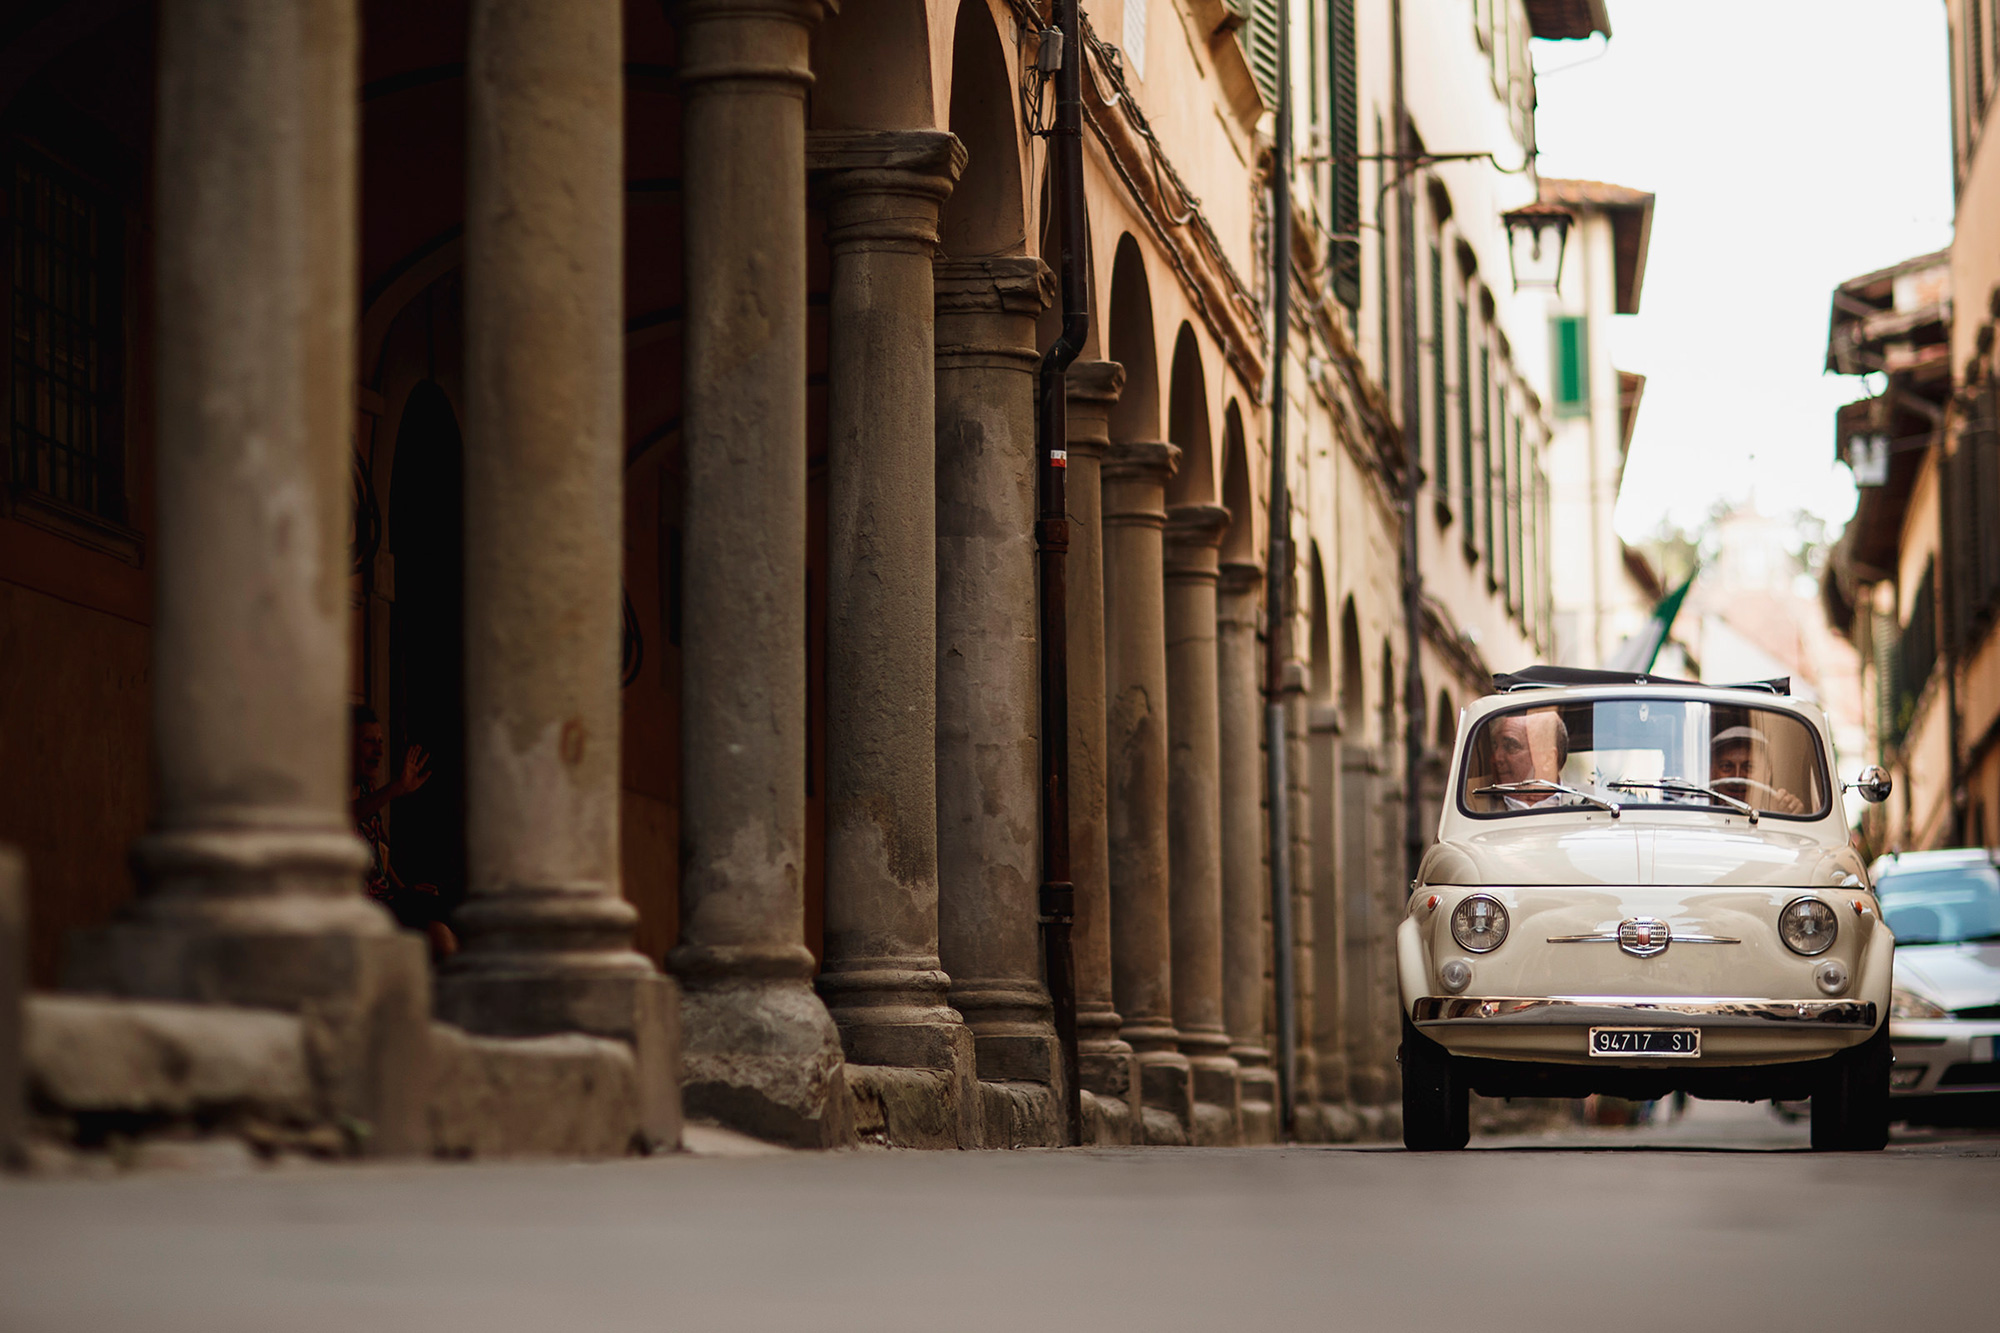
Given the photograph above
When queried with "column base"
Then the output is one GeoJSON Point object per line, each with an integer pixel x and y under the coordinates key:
{"type": "Point", "coordinates": [1110, 1077]}
{"type": "Point", "coordinates": [1021, 1115]}
{"type": "Point", "coordinates": [1369, 1086]}
{"type": "Point", "coordinates": [942, 1052]}
{"type": "Point", "coordinates": [365, 996]}
{"type": "Point", "coordinates": [897, 1019]}
{"type": "Point", "coordinates": [1166, 1091]}
{"type": "Point", "coordinates": [912, 1108]}
{"type": "Point", "coordinates": [633, 1004]}
{"type": "Point", "coordinates": [13, 1002]}
{"type": "Point", "coordinates": [760, 1054]}
{"type": "Point", "coordinates": [1260, 1103]}
{"type": "Point", "coordinates": [1218, 1102]}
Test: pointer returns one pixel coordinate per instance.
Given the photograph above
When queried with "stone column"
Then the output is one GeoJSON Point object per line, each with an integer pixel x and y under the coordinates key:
{"type": "Point", "coordinates": [881, 977]}
{"type": "Point", "coordinates": [761, 1052]}
{"type": "Point", "coordinates": [1109, 1072]}
{"type": "Point", "coordinates": [251, 869]}
{"type": "Point", "coordinates": [1310, 1121]}
{"type": "Point", "coordinates": [1135, 686]}
{"type": "Point", "coordinates": [1194, 804]}
{"type": "Point", "coordinates": [988, 683]}
{"type": "Point", "coordinates": [1329, 930]}
{"type": "Point", "coordinates": [1245, 890]}
{"type": "Point", "coordinates": [13, 1002]}
{"type": "Point", "coordinates": [546, 935]}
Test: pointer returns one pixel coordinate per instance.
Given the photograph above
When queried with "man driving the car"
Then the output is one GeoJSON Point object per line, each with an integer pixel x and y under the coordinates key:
{"type": "Point", "coordinates": [1739, 765]}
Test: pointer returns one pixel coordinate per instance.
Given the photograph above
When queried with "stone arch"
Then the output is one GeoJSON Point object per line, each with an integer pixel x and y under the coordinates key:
{"type": "Point", "coordinates": [1353, 685]}
{"type": "Point", "coordinates": [1238, 545]}
{"type": "Point", "coordinates": [985, 214]}
{"type": "Point", "coordinates": [1048, 326]}
{"type": "Point", "coordinates": [1136, 415]}
{"type": "Point", "coordinates": [1320, 637]}
{"type": "Point", "coordinates": [1187, 424]}
{"type": "Point", "coordinates": [1388, 708]}
{"type": "Point", "coordinates": [872, 67]}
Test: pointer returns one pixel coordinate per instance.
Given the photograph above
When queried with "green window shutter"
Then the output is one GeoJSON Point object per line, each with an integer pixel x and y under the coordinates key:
{"type": "Point", "coordinates": [1572, 365]}
{"type": "Point", "coordinates": [1975, 61]}
{"type": "Point", "coordinates": [1503, 547]}
{"type": "Point", "coordinates": [1517, 498]}
{"type": "Point", "coordinates": [1345, 256]}
{"type": "Point", "coordinates": [1440, 429]}
{"type": "Point", "coordinates": [1382, 256]}
{"type": "Point", "coordinates": [1260, 43]}
{"type": "Point", "coordinates": [1486, 454]}
{"type": "Point", "coordinates": [1467, 480]}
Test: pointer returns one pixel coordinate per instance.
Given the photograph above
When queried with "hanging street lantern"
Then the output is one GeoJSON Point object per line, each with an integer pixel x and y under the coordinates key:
{"type": "Point", "coordinates": [1536, 236]}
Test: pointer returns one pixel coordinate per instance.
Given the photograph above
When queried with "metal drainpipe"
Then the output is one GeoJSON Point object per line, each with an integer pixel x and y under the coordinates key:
{"type": "Point", "coordinates": [1414, 702]}
{"type": "Point", "coordinates": [1277, 590]}
{"type": "Point", "coordinates": [1058, 892]}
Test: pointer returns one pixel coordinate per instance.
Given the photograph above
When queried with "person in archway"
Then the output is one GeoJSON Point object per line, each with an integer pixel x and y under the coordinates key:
{"type": "Point", "coordinates": [415, 906]}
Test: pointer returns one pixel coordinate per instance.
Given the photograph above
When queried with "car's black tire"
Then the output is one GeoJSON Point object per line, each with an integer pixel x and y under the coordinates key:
{"type": "Point", "coordinates": [1850, 1108]}
{"type": "Point", "coordinates": [1437, 1107]}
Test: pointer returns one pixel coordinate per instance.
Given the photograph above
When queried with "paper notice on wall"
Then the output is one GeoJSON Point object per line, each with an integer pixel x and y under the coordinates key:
{"type": "Point", "coordinates": [1134, 43]}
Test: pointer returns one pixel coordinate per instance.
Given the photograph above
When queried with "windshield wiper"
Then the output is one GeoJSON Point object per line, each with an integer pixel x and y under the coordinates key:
{"type": "Point", "coordinates": [1543, 784]}
{"type": "Point", "coordinates": [1691, 789]}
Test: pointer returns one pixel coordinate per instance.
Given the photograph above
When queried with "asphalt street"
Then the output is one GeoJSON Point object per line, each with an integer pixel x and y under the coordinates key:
{"type": "Point", "coordinates": [1721, 1220]}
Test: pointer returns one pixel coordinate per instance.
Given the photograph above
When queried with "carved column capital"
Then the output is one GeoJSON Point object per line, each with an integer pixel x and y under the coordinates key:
{"type": "Point", "coordinates": [1093, 388]}
{"type": "Point", "coordinates": [885, 187]}
{"type": "Point", "coordinates": [1150, 459]}
{"type": "Point", "coordinates": [1009, 285]}
{"type": "Point", "coordinates": [749, 42]}
{"type": "Point", "coordinates": [1238, 577]}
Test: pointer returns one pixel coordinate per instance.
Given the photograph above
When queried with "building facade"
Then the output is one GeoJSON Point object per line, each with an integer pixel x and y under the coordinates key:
{"type": "Point", "coordinates": [633, 406]}
{"type": "Point", "coordinates": [1599, 590]}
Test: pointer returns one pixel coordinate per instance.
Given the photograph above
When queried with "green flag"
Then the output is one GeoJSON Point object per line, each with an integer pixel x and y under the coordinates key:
{"type": "Point", "coordinates": [1641, 648]}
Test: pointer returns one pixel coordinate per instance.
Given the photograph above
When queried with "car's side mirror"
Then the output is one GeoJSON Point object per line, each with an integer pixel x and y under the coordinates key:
{"type": "Point", "coordinates": [1874, 784]}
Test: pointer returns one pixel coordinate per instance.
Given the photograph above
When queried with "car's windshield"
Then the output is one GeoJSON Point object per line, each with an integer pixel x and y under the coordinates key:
{"type": "Point", "coordinates": [1654, 751]}
{"type": "Point", "coordinates": [1943, 906]}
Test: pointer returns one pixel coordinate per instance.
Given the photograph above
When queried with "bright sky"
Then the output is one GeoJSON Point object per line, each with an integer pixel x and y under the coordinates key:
{"type": "Point", "coordinates": [1792, 144]}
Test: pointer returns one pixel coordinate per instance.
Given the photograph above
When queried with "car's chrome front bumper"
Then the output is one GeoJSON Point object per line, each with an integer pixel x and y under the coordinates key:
{"type": "Point", "coordinates": [1735, 1031]}
{"type": "Point", "coordinates": [1571, 1011]}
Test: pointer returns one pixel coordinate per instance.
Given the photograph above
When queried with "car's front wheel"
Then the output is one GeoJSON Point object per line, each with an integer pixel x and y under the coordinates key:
{"type": "Point", "coordinates": [1850, 1109]}
{"type": "Point", "coordinates": [1437, 1110]}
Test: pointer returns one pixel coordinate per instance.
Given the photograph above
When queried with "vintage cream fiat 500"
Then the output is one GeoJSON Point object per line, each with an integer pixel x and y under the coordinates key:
{"type": "Point", "coordinates": [1642, 886]}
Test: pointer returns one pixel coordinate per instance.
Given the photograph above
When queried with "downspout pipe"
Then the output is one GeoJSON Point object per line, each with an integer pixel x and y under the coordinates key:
{"type": "Point", "coordinates": [1058, 891]}
{"type": "Point", "coordinates": [1277, 599]}
{"type": "Point", "coordinates": [1414, 702]}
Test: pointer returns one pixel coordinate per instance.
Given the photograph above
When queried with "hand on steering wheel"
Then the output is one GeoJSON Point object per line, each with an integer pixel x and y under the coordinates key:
{"type": "Point", "coordinates": [1774, 799]}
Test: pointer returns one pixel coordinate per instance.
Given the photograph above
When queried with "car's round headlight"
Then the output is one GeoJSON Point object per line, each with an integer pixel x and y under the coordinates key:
{"type": "Point", "coordinates": [1808, 926]}
{"type": "Point", "coordinates": [1909, 1004]}
{"type": "Point", "coordinates": [1479, 924]}
{"type": "Point", "coordinates": [1455, 975]}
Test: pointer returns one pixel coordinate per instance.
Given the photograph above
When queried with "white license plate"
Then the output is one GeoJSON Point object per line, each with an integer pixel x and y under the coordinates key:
{"type": "Point", "coordinates": [1657, 1043]}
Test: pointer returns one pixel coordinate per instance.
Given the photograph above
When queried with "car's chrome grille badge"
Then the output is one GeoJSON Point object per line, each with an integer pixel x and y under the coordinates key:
{"type": "Point", "coordinates": [1643, 937]}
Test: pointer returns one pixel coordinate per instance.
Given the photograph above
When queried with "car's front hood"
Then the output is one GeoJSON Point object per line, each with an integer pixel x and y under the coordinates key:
{"type": "Point", "coordinates": [1957, 976]}
{"type": "Point", "coordinates": [1596, 850]}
